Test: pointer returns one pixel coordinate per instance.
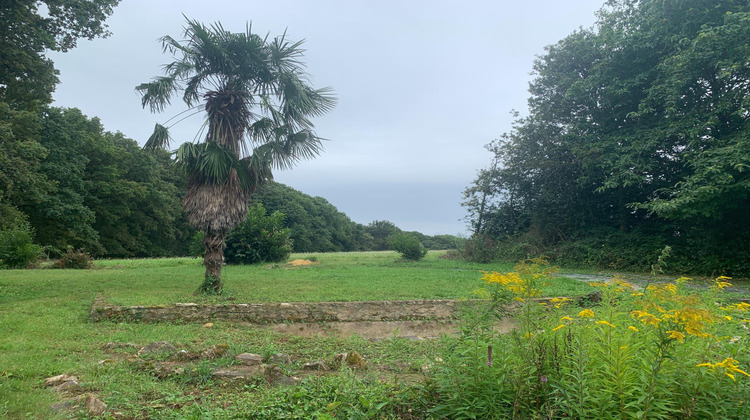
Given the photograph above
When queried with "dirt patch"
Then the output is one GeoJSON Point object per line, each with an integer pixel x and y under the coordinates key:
{"type": "Point", "coordinates": [299, 263]}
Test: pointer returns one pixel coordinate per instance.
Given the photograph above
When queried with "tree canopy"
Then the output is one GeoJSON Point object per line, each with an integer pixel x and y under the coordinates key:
{"type": "Point", "coordinates": [637, 127]}
{"type": "Point", "coordinates": [27, 76]}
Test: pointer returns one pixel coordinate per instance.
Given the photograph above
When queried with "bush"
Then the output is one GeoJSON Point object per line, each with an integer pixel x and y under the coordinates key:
{"type": "Point", "coordinates": [408, 246]}
{"type": "Point", "coordinates": [260, 238]}
{"type": "Point", "coordinates": [480, 248]}
{"type": "Point", "coordinates": [17, 250]}
{"type": "Point", "coordinates": [75, 259]}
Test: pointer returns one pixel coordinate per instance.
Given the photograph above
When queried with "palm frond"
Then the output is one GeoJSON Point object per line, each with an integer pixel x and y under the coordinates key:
{"type": "Point", "coordinates": [157, 93]}
{"type": "Point", "coordinates": [159, 139]}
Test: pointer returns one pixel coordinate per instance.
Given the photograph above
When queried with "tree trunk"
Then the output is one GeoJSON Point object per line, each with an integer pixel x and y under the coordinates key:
{"type": "Point", "coordinates": [213, 259]}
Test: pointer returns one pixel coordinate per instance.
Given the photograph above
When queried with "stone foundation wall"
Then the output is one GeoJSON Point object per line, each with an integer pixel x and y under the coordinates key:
{"type": "Point", "coordinates": [272, 313]}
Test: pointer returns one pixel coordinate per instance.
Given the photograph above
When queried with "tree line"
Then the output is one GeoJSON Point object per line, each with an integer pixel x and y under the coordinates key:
{"type": "Point", "coordinates": [637, 139]}
{"type": "Point", "coordinates": [79, 186]}
{"type": "Point", "coordinates": [71, 184]}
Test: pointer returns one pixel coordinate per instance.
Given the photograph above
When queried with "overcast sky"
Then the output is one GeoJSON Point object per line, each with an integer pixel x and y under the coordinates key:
{"type": "Point", "coordinates": [422, 87]}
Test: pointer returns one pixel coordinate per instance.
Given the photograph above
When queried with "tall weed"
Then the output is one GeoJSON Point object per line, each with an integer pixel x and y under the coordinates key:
{"type": "Point", "coordinates": [663, 351]}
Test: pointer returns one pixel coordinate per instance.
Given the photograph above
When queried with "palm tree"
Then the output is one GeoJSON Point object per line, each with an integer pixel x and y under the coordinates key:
{"type": "Point", "coordinates": [257, 103]}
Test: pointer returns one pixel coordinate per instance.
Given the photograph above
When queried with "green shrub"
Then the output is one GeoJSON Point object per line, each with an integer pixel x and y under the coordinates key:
{"type": "Point", "coordinates": [260, 238]}
{"type": "Point", "coordinates": [17, 249]}
{"type": "Point", "coordinates": [408, 246]}
{"type": "Point", "coordinates": [480, 248]}
{"type": "Point", "coordinates": [75, 259]}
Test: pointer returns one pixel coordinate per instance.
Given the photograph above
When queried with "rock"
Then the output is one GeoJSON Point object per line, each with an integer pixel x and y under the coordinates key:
{"type": "Point", "coordinates": [219, 350]}
{"type": "Point", "coordinates": [65, 405]}
{"type": "Point", "coordinates": [352, 360]}
{"type": "Point", "coordinates": [274, 373]}
{"type": "Point", "coordinates": [91, 402]}
{"type": "Point", "coordinates": [68, 386]}
{"type": "Point", "coordinates": [280, 359]}
{"type": "Point", "coordinates": [157, 347]}
{"type": "Point", "coordinates": [239, 372]}
{"type": "Point", "coordinates": [320, 366]}
{"type": "Point", "coordinates": [249, 359]}
{"type": "Point", "coordinates": [94, 405]}
{"type": "Point", "coordinates": [59, 379]}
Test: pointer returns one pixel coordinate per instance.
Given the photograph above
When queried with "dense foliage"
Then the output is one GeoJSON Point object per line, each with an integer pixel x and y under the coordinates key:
{"type": "Point", "coordinates": [637, 138]}
{"type": "Point", "coordinates": [663, 351]}
{"type": "Point", "coordinates": [77, 185]}
{"type": "Point", "coordinates": [82, 187]}
{"type": "Point", "coordinates": [316, 225]}
{"type": "Point", "coordinates": [260, 238]}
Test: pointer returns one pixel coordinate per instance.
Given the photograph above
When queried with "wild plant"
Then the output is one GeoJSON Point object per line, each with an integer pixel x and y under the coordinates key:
{"type": "Point", "coordinates": [666, 350]}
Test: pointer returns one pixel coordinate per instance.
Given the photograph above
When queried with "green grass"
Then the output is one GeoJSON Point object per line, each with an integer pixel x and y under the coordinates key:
{"type": "Point", "coordinates": [352, 276]}
{"type": "Point", "coordinates": [46, 330]}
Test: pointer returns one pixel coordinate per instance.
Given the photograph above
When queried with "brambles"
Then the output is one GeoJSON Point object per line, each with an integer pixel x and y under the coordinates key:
{"type": "Point", "coordinates": [75, 259]}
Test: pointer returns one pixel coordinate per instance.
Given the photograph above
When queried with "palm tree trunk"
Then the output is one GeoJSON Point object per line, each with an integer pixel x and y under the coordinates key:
{"type": "Point", "coordinates": [213, 259]}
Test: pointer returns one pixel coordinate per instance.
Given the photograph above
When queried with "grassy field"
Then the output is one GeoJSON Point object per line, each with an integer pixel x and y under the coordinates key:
{"type": "Point", "coordinates": [45, 330]}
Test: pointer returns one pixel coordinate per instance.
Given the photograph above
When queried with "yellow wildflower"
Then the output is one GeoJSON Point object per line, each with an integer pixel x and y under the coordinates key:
{"type": "Point", "coordinates": [558, 327]}
{"type": "Point", "coordinates": [723, 284]}
{"type": "Point", "coordinates": [729, 365]}
{"type": "Point", "coordinates": [632, 328]}
{"type": "Point", "coordinates": [728, 318]}
{"type": "Point", "coordinates": [586, 313]}
{"type": "Point", "coordinates": [638, 294]}
{"type": "Point", "coordinates": [676, 335]}
{"type": "Point", "coordinates": [566, 318]}
{"type": "Point", "coordinates": [603, 322]}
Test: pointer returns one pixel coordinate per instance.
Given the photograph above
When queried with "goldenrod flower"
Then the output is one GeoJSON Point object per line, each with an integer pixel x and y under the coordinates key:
{"type": "Point", "coordinates": [728, 318]}
{"type": "Point", "coordinates": [632, 328]}
{"type": "Point", "coordinates": [566, 318]}
{"type": "Point", "coordinates": [638, 294]}
{"type": "Point", "coordinates": [676, 335]}
{"type": "Point", "coordinates": [728, 364]}
{"type": "Point", "coordinates": [586, 313]}
{"type": "Point", "coordinates": [558, 327]}
{"type": "Point", "coordinates": [603, 322]}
